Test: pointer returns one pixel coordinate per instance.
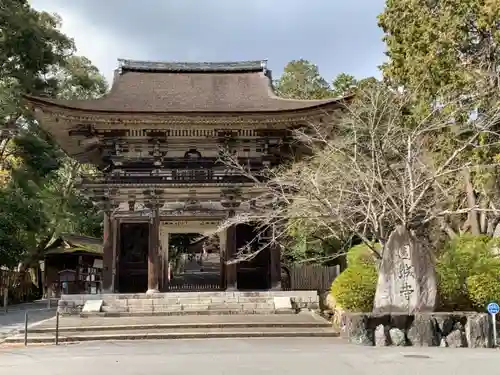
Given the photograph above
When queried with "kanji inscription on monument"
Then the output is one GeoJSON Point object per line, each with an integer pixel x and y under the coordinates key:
{"type": "Point", "coordinates": [407, 281]}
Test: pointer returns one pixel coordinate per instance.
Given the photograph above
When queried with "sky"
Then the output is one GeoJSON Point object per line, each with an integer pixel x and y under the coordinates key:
{"type": "Point", "coordinates": [338, 36]}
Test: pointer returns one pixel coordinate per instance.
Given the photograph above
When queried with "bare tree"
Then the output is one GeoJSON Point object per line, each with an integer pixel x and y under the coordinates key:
{"type": "Point", "coordinates": [370, 171]}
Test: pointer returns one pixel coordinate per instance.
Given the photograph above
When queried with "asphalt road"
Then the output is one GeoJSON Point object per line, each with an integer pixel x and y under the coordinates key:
{"type": "Point", "coordinates": [243, 357]}
{"type": "Point", "coordinates": [14, 319]}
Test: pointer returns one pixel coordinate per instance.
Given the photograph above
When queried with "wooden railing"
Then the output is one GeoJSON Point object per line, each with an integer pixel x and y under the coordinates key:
{"type": "Point", "coordinates": [193, 287]}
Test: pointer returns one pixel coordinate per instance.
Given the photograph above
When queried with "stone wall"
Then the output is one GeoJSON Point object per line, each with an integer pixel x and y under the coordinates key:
{"type": "Point", "coordinates": [457, 329]}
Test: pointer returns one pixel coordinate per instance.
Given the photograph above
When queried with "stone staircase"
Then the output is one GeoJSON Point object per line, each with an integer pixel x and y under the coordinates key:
{"type": "Point", "coordinates": [192, 304]}
{"type": "Point", "coordinates": [187, 303]}
{"type": "Point", "coordinates": [96, 328]}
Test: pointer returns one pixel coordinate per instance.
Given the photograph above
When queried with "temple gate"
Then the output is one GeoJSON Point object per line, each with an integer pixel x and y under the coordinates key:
{"type": "Point", "coordinates": [156, 140]}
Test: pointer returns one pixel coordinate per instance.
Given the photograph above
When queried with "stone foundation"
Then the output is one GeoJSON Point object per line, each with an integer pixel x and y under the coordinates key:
{"type": "Point", "coordinates": [191, 302]}
{"type": "Point", "coordinates": [457, 329]}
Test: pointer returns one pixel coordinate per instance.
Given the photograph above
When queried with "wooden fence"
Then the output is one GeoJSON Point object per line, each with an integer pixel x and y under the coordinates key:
{"type": "Point", "coordinates": [20, 288]}
{"type": "Point", "coordinates": [308, 277]}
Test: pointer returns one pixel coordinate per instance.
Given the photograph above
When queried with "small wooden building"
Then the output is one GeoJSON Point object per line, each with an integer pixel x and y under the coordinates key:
{"type": "Point", "coordinates": [73, 265]}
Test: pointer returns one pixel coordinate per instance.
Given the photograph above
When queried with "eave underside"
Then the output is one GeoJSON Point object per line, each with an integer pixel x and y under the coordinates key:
{"type": "Point", "coordinates": [61, 124]}
{"type": "Point", "coordinates": [180, 200]}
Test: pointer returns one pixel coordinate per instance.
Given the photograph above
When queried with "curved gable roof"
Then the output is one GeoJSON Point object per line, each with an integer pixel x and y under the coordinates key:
{"type": "Point", "coordinates": [178, 87]}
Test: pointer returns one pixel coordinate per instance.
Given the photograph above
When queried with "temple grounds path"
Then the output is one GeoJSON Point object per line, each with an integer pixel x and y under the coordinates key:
{"type": "Point", "coordinates": [76, 329]}
{"type": "Point", "coordinates": [243, 357]}
{"type": "Point", "coordinates": [13, 320]}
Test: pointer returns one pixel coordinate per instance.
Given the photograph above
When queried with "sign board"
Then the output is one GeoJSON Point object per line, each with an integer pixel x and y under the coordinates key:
{"type": "Point", "coordinates": [92, 306]}
{"type": "Point", "coordinates": [493, 308]}
{"type": "Point", "coordinates": [98, 263]}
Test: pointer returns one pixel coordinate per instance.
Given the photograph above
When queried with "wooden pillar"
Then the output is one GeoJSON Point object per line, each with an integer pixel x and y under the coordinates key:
{"type": "Point", "coordinates": [164, 246]}
{"type": "Point", "coordinates": [275, 266]}
{"type": "Point", "coordinates": [153, 253]}
{"type": "Point", "coordinates": [222, 254]}
{"type": "Point", "coordinates": [231, 269]}
{"type": "Point", "coordinates": [116, 255]}
{"type": "Point", "coordinates": [107, 260]}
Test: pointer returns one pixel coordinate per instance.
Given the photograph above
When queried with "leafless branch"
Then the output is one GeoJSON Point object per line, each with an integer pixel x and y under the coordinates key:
{"type": "Point", "coordinates": [370, 170]}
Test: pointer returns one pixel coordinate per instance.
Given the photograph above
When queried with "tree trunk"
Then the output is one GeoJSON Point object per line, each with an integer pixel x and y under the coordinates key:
{"type": "Point", "coordinates": [472, 204]}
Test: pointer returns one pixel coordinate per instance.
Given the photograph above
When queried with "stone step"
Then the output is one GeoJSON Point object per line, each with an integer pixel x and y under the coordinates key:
{"type": "Point", "coordinates": [217, 306]}
{"type": "Point", "coordinates": [199, 294]}
{"type": "Point", "coordinates": [162, 334]}
{"type": "Point", "coordinates": [183, 326]}
{"type": "Point", "coordinates": [162, 305]}
{"type": "Point", "coordinates": [236, 305]}
{"type": "Point", "coordinates": [139, 313]}
{"type": "Point", "coordinates": [188, 300]}
{"type": "Point", "coordinates": [121, 303]}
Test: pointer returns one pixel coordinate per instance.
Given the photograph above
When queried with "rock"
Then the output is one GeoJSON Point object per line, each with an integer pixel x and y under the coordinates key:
{"type": "Point", "coordinates": [401, 321]}
{"type": "Point", "coordinates": [443, 343]}
{"type": "Point", "coordinates": [381, 336]}
{"type": "Point", "coordinates": [397, 337]}
{"type": "Point", "coordinates": [373, 321]}
{"type": "Point", "coordinates": [329, 301]}
{"type": "Point", "coordinates": [456, 339]}
{"type": "Point", "coordinates": [407, 280]}
{"type": "Point", "coordinates": [356, 331]}
{"type": "Point", "coordinates": [338, 320]}
{"type": "Point", "coordinates": [479, 331]}
{"type": "Point", "coordinates": [446, 325]}
{"type": "Point", "coordinates": [423, 331]}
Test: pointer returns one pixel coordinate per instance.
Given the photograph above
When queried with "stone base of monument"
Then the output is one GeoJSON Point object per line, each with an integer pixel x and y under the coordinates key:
{"type": "Point", "coordinates": [457, 329]}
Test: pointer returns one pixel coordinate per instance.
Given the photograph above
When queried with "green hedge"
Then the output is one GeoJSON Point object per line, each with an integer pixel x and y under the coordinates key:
{"type": "Point", "coordinates": [362, 253]}
{"type": "Point", "coordinates": [468, 273]}
{"type": "Point", "coordinates": [354, 289]}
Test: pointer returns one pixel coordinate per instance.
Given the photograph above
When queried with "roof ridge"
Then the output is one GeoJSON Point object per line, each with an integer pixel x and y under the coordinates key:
{"type": "Point", "coordinates": [179, 66]}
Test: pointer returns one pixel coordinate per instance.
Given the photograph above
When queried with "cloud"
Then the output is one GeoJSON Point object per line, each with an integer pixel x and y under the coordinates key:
{"type": "Point", "coordinates": [338, 36]}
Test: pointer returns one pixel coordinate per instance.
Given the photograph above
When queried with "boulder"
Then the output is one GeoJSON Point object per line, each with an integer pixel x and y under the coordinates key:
{"type": "Point", "coordinates": [407, 279]}
{"type": "Point", "coordinates": [397, 337]}
{"type": "Point", "coordinates": [356, 331]}
{"type": "Point", "coordinates": [328, 301]}
{"type": "Point", "coordinates": [479, 331]}
{"type": "Point", "coordinates": [401, 321]}
{"type": "Point", "coordinates": [381, 337]}
{"type": "Point", "coordinates": [456, 339]}
{"type": "Point", "coordinates": [423, 331]}
{"type": "Point", "coordinates": [445, 324]}
{"type": "Point", "coordinates": [337, 313]}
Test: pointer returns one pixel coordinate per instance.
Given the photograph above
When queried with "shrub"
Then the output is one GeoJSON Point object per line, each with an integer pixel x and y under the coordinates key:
{"type": "Point", "coordinates": [354, 289]}
{"type": "Point", "coordinates": [361, 254]}
{"type": "Point", "coordinates": [463, 269]}
{"type": "Point", "coordinates": [484, 288]}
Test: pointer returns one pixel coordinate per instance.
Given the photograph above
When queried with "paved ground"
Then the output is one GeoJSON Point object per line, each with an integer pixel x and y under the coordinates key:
{"type": "Point", "coordinates": [14, 319]}
{"type": "Point", "coordinates": [177, 327]}
{"type": "Point", "coordinates": [244, 357]}
{"type": "Point", "coordinates": [72, 321]}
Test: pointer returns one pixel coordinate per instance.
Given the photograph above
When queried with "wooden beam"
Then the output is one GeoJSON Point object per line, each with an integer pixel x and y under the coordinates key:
{"type": "Point", "coordinates": [153, 253]}
{"type": "Point", "coordinates": [107, 266]}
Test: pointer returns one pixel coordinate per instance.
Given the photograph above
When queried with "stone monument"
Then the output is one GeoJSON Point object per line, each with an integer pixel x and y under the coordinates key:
{"type": "Point", "coordinates": [407, 280]}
